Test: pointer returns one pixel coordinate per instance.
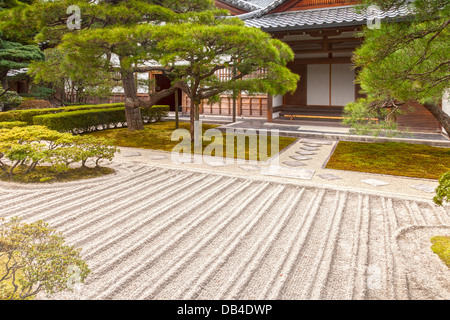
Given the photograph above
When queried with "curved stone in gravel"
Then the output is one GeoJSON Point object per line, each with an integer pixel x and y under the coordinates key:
{"type": "Point", "coordinates": [375, 182]}
{"type": "Point", "coordinates": [157, 157]}
{"type": "Point", "coordinates": [300, 158]}
{"type": "Point", "coordinates": [323, 142]}
{"type": "Point", "coordinates": [294, 163]}
{"type": "Point", "coordinates": [216, 163]}
{"type": "Point", "coordinates": [305, 153]}
{"type": "Point", "coordinates": [309, 148]}
{"type": "Point", "coordinates": [132, 154]}
{"type": "Point", "coordinates": [329, 176]}
{"type": "Point", "coordinates": [313, 145]}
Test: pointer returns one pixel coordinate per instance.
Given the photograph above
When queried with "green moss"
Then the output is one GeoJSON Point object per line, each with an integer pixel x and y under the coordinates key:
{"type": "Point", "coordinates": [44, 174]}
{"type": "Point", "coordinates": [157, 136]}
{"type": "Point", "coordinates": [441, 246]}
{"type": "Point", "coordinates": [393, 158]}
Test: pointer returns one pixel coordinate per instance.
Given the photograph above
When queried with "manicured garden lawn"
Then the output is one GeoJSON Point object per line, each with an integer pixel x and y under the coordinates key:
{"type": "Point", "coordinates": [400, 159]}
{"type": "Point", "coordinates": [157, 136]}
{"type": "Point", "coordinates": [441, 246]}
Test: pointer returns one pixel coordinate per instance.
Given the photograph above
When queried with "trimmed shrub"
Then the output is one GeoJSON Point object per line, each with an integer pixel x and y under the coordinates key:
{"type": "Point", "coordinates": [33, 145]}
{"type": "Point", "coordinates": [82, 121]}
{"type": "Point", "coordinates": [34, 104]}
{"type": "Point", "coordinates": [27, 115]}
{"type": "Point", "coordinates": [443, 190]}
{"type": "Point", "coordinates": [12, 124]}
{"type": "Point", "coordinates": [6, 116]}
{"type": "Point", "coordinates": [160, 112]}
{"type": "Point", "coordinates": [155, 113]}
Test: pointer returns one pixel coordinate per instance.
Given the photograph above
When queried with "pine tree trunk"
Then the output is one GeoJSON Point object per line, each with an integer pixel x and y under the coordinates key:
{"type": "Point", "coordinates": [440, 115]}
{"type": "Point", "coordinates": [192, 118]}
{"type": "Point", "coordinates": [132, 110]}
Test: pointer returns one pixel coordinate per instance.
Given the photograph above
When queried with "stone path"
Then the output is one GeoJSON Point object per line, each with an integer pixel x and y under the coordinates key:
{"type": "Point", "coordinates": [296, 163]}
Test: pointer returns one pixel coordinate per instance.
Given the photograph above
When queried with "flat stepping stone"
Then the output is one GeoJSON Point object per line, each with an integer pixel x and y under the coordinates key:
{"type": "Point", "coordinates": [249, 168]}
{"type": "Point", "coordinates": [329, 176]}
{"type": "Point", "coordinates": [215, 163]}
{"type": "Point", "coordinates": [132, 154]}
{"type": "Point", "coordinates": [188, 160]}
{"type": "Point", "coordinates": [309, 148]}
{"type": "Point", "coordinates": [294, 163]}
{"type": "Point", "coordinates": [314, 145]}
{"type": "Point", "coordinates": [157, 157]}
{"type": "Point", "coordinates": [300, 158]}
{"type": "Point", "coordinates": [305, 153]}
{"type": "Point", "coordinates": [304, 174]}
{"type": "Point", "coordinates": [423, 187]}
{"type": "Point", "coordinates": [375, 182]}
{"type": "Point", "coordinates": [322, 142]}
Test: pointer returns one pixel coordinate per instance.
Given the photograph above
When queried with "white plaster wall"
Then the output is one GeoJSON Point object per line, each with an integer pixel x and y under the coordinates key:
{"type": "Point", "coordinates": [342, 84]}
{"type": "Point", "coordinates": [318, 90]}
{"type": "Point", "coordinates": [277, 100]}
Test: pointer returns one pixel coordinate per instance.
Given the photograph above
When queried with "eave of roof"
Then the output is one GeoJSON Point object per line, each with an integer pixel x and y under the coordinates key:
{"type": "Point", "coordinates": [313, 18]}
{"type": "Point", "coordinates": [242, 4]}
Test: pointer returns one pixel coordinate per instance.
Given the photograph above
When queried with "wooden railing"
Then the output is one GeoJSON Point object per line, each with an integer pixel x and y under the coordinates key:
{"type": "Point", "coordinates": [226, 74]}
{"type": "Point", "coordinates": [323, 3]}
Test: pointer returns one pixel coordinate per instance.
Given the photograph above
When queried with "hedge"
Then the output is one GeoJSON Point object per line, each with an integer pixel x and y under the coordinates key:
{"type": "Point", "coordinates": [82, 120]}
{"type": "Point", "coordinates": [27, 115]}
{"type": "Point", "coordinates": [12, 124]}
{"type": "Point", "coordinates": [89, 120]}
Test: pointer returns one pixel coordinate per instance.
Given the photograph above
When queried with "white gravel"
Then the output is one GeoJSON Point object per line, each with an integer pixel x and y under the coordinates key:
{"type": "Point", "coordinates": [152, 232]}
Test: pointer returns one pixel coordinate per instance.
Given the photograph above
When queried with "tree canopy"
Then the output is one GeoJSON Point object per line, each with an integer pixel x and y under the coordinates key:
{"type": "Point", "coordinates": [404, 61]}
{"type": "Point", "coordinates": [123, 38]}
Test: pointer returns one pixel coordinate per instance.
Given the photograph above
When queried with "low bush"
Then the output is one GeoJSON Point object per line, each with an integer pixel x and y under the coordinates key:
{"type": "Point", "coordinates": [12, 124]}
{"type": "Point", "coordinates": [33, 145]}
{"type": "Point", "coordinates": [27, 115]}
{"type": "Point", "coordinates": [34, 104]}
{"type": "Point", "coordinates": [7, 116]}
{"type": "Point", "coordinates": [35, 258]}
{"type": "Point", "coordinates": [155, 113]}
{"type": "Point", "coordinates": [443, 190]}
{"type": "Point", "coordinates": [82, 121]}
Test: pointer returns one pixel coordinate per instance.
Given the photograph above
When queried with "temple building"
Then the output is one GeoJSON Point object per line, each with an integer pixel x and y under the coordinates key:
{"type": "Point", "coordinates": [323, 35]}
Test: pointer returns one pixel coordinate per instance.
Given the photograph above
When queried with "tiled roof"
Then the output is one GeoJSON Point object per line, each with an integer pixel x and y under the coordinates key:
{"type": "Point", "coordinates": [245, 4]}
{"type": "Point", "coordinates": [334, 16]}
{"type": "Point", "coordinates": [253, 6]}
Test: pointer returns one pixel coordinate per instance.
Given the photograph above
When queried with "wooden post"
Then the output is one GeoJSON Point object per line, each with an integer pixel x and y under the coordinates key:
{"type": "Point", "coordinates": [269, 108]}
{"type": "Point", "coordinates": [176, 109]}
{"type": "Point", "coordinates": [260, 106]}
{"type": "Point", "coordinates": [239, 103]}
{"type": "Point", "coordinates": [234, 97]}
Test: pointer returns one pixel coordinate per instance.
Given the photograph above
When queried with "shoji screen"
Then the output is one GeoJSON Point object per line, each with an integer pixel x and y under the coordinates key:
{"type": "Point", "coordinates": [318, 85]}
{"type": "Point", "coordinates": [342, 84]}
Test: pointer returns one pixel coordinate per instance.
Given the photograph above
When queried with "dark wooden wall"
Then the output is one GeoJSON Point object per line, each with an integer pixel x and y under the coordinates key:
{"type": "Point", "coordinates": [418, 120]}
